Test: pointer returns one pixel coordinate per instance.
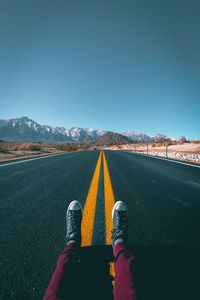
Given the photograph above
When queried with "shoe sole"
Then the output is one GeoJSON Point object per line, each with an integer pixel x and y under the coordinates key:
{"type": "Point", "coordinates": [116, 204]}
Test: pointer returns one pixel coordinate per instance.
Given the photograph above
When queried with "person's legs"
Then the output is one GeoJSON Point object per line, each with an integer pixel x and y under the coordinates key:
{"type": "Point", "coordinates": [62, 274]}
{"type": "Point", "coordinates": [62, 278]}
{"type": "Point", "coordinates": [124, 281]}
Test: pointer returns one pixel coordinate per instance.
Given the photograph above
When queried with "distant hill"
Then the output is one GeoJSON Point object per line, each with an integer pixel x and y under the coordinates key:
{"type": "Point", "coordinates": [25, 129]}
{"type": "Point", "coordinates": [110, 138]}
{"type": "Point", "coordinates": [138, 137]}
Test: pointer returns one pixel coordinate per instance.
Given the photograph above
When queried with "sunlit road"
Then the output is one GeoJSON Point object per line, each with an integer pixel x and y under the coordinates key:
{"type": "Point", "coordinates": [163, 200]}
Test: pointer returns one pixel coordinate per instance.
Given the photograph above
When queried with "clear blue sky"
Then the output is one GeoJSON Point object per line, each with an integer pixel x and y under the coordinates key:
{"type": "Point", "coordinates": [114, 65]}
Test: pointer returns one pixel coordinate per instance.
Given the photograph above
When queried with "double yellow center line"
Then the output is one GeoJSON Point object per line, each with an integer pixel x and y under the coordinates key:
{"type": "Point", "coordinates": [91, 200]}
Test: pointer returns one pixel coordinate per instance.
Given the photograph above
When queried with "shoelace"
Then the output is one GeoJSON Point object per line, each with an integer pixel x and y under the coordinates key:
{"type": "Point", "coordinates": [121, 220]}
{"type": "Point", "coordinates": [120, 227]}
{"type": "Point", "coordinates": [73, 222]}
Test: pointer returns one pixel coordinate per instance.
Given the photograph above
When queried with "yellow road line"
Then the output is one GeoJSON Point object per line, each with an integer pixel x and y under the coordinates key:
{"type": "Point", "coordinates": [112, 272]}
{"type": "Point", "coordinates": [109, 201]}
{"type": "Point", "coordinates": [89, 210]}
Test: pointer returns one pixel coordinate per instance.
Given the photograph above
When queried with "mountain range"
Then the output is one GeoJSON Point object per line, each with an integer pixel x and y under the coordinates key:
{"type": "Point", "coordinates": [25, 129]}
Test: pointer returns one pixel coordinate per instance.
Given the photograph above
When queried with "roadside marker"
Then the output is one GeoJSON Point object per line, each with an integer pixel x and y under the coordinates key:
{"type": "Point", "coordinates": [89, 210]}
{"type": "Point", "coordinates": [166, 159]}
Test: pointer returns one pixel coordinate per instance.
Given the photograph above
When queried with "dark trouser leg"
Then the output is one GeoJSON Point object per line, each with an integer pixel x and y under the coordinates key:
{"type": "Point", "coordinates": [60, 285]}
{"type": "Point", "coordinates": [124, 282]}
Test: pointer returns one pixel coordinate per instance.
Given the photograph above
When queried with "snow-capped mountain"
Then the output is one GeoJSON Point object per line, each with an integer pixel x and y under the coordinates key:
{"type": "Point", "coordinates": [94, 133]}
{"type": "Point", "coordinates": [78, 134]}
{"type": "Point", "coordinates": [25, 129]}
{"type": "Point", "coordinates": [138, 136]}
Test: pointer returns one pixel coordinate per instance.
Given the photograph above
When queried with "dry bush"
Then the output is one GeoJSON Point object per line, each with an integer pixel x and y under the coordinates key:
{"type": "Point", "coordinates": [66, 147]}
{"type": "Point", "coordinates": [85, 147]}
{"type": "Point", "coordinates": [71, 147]}
{"type": "Point", "coordinates": [166, 142]}
{"type": "Point", "coordinates": [169, 142]}
{"type": "Point", "coordinates": [157, 144]}
{"type": "Point", "coordinates": [119, 146]}
{"type": "Point", "coordinates": [4, 148]}
{"type": "Point", "coordinates": [154, 145]}
{"type": "Point", "coordinates": [195, 142]}
{"type": "Point", "coordinates": [14, 148]}
{"type": "Point", "coordinates": [30, 147]}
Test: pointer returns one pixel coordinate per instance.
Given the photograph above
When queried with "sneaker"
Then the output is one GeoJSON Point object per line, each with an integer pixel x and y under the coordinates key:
{"type": "Point", "coordinates": [73, 223]}
{"type": "Point", "coordinates": [120, 223]}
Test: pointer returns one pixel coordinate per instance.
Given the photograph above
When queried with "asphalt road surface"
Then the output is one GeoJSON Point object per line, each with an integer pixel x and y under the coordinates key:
{"type": "Point", "coordinates": [163, 200]}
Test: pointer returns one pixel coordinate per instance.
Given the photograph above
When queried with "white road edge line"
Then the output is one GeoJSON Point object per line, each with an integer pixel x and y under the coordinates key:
{"type": "Point", "coordinates": [162, 158]}
{"type": "Point", "coordinates": [30, 159]}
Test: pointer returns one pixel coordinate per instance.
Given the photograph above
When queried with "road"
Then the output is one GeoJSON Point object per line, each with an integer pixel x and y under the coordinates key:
{"type": "Point", "coordinates": [163, 200]}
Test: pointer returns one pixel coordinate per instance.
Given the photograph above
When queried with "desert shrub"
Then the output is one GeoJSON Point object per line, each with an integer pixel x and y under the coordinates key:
{"type": "Point", "coordinates": [164, 142]}
{"type": "Point", "coordinates": [71, 147]}
{"type": "Point", "coordinates": [35, 147]}
{"type": "Point", "coordinates": [14, 148]}
{"type": "Point", "coordinates": [168, 142]}
{"type": "Point", "coordinates": [157, 144]}
{"type": "Point", "coordinates": [66, 147]}
{"type": "Point", "coordinates": [119, 146]}
{"type": "Point", "coordinates": [195, 141]}
{"type": "Point", "coordinates": [30, 147]}
{"type": "Point", "coordinates": [4, 149]}
{"type": "Point", "coordinates": [85, 147]}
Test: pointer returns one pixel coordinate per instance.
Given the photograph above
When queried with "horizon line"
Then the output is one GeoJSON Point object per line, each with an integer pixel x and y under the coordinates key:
{"type": "Point", "coordinates": [114, 131]}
